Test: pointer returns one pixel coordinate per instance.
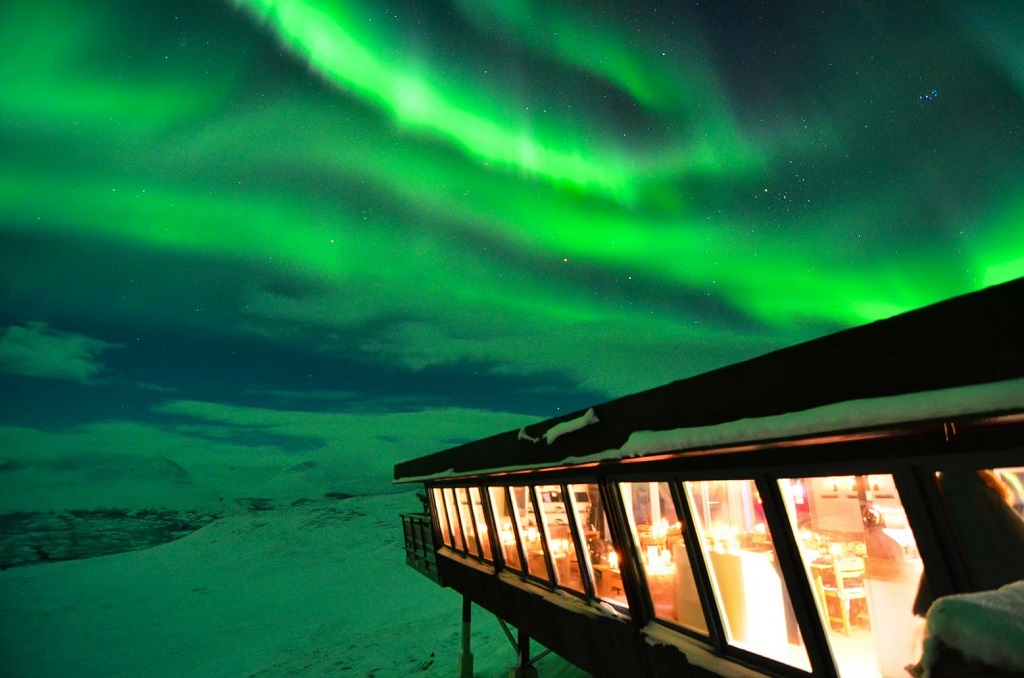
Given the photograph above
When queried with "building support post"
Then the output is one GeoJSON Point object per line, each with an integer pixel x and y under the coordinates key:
{"type": "Point", "coordinates": [525, 667]}
{"type": "Point", "coordinates": [466, 657]}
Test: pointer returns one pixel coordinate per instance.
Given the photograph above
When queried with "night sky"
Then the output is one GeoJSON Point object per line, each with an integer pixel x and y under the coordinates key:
{"type": "Point", "coordinates": [246, 235]}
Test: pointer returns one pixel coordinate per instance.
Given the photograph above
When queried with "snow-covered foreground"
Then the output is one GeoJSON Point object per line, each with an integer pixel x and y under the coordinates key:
{"type": "Point", "coordinates": [316, 589]}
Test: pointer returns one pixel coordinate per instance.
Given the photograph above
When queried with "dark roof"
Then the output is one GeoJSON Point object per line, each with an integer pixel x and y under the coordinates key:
{"type": "Point", "coordinates": [972, 339]}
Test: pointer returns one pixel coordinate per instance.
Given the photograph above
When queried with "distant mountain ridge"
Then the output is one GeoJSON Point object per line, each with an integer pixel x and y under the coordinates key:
{"type": "Point", "coordinates": [100, 481]}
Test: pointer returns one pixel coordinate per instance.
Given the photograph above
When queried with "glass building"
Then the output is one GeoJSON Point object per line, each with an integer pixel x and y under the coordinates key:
{"type": "Point", "coordinates": [792, 515]}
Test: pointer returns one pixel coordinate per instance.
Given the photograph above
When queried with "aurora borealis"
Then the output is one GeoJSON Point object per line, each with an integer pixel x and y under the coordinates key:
{"type": "Point", "coordinates": [245, 234]}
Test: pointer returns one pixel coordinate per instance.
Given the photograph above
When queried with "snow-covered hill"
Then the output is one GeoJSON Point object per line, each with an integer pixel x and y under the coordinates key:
{"type": "Point", "coordinates": [310, 588]}
{"type": "Point", "coordinates": [90, 481]}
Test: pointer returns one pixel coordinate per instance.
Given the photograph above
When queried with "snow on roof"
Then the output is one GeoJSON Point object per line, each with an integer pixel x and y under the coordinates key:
{"type": "Point", "coordinates": [582, 421]}
{"type": "Point", "coordinates": [986, 627]}
{"type": "Point", "coordinates": [851, 415]}
{"type": "Point", "coordinates": [523, 435]}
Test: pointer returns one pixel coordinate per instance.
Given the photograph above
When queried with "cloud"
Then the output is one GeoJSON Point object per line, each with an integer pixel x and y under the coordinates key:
{"type": "Point", "coordinates": [37, 350]}
{"type": "Point", "coordinates": [354, 452]}
{"type": "Point", "coordinates": [618, 355]}
{"type": "Point", "coordinates": [362, 440]}
{"type": "Point", "coordinates": [239, 451]}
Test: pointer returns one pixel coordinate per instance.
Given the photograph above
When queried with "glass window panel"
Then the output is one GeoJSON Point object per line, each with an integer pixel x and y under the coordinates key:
{"type": "Point", "coordinates": [861, 559]}
{"type": "Point", "coordinates": [442, 516]}
{"type": "Point", "coordinates": [740, 555]}
{"type": "Point", "coordinates": [658, 535]}
{"type": "Point", "coordinates": [468, 525]}
{"type": "Point", "coordinates": [529, 533]}
{"type": "Point", "coordinates": [453, 518]}
{"type": "Point", "coordinates": [600, 557]}
{"type": "Point", "coordinates": [503, 517]}
{"type": "Point", "coordinates": [563, 549]}
{"type": "Point", "coordinates": [480, 520]}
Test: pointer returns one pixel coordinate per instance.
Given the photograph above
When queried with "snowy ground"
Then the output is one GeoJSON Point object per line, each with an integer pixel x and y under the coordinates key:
{"type": "Point", "coordinates": [315, 589]}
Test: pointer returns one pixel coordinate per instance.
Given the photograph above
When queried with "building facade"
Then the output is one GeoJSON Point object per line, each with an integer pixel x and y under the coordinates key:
{"type": "Point", "coordinates": [790, 515]}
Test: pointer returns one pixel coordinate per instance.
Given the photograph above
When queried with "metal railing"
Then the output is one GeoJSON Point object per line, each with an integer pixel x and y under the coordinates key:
{"type": "Point", "coordinates": [420, 552]}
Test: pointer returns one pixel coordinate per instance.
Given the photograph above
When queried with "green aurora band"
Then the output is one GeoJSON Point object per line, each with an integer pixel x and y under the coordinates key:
{"type": "Point", "coordinates": [339, 46]}
{"type": "Point", "coordinates": [473, 206]}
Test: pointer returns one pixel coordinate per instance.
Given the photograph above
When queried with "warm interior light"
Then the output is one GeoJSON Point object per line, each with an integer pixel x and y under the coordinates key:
{"type": "Point", "coordinates": [659, 561]}
{"type": "Point", "coordinates": [505, 533]}
{"type": "Point", "coordinates": [660, 530]}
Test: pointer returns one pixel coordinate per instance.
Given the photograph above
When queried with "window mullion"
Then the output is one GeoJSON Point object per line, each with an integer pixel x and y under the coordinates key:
{"type": "Point", "coordinates": [629, 564]}
{"type": "Point", "coordinates": [476, 528]}
{"type": "Point", "coordinates": [497, 553]}
{"type": "Point", "coordinates": [448, 519]}
{"type": "Point", "coordinates": [574, 529]}
{"type": "Point", "coordinates": [694, 551]}
{"type": "Point", "coordinates": [513, 510]}
{"type": "Point", "coordinates": [542, 527]}
{"type": "Point", "coordinates": [795, 578]}
{"type": "Point", "coordinates": [944, 570]}
{"type": "Point", "coordinates": [458, 516]}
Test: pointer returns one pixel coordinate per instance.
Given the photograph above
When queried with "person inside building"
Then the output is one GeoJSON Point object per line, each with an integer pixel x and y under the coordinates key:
{"type": "Point", "coordinates": [989, 530]}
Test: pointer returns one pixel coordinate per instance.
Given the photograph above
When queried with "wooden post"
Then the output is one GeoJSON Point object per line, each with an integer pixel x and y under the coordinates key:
{"type": "Point", "coordinates": [525, 667]}
{"type": "Point", "coordinates": [466, 657]}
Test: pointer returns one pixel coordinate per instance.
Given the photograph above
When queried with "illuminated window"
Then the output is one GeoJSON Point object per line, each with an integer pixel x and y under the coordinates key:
{"type": "Point", "coordinates": [657, 533]}
{"type": "Point", "coordinates": [745, 573]}
{"type": "Point", "coordinates": [480, 521]}
{"type": "Point", "coordinates": [466, 517]}
{"type": "Point", "coordinates": [529, 533]}
{"type": "Point", "coordinates": [862, 562]}
{"type": "Point", "coordinates": [453, 518]}
{"type": "Point", "coordinates": [600, 556]}
{"type": "Point", "coordinates": [503, 517]}
{"type": "Point", "coordinates": [442, 516]}
{"type": "Point", "coordinates": [563, 549]}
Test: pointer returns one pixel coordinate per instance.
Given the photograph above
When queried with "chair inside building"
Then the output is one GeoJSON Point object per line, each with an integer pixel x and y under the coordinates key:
{"type": "Point", "coordinates": [843, 593]}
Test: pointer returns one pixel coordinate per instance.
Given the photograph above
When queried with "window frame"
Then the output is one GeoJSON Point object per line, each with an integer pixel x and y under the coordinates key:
{"type": "Point", "coordinates": [583, 550]}
{"type": "Point", "coordinates": [794, 577]}
{"type": "Point", "coordinates": [441, 516]}
{"type": "Point", "coordinates": [451, 499]}
{"type": "Point", "coordinates": [538, 516]}
{"type": "Point", "coordinates": [696, 562]}
{"type": "Point", "coordinates": [574, 538]}
{"type": "Point", "coordinates": [462, 492]}
{"type": "Point", "coordinates": [911, 456]}
{"type": "Point", "coordinates": [482, 496]}
{"type": "Point", "coordinates": [517, 525]}
{"type": "Point", "coordinates": [582, 557]}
